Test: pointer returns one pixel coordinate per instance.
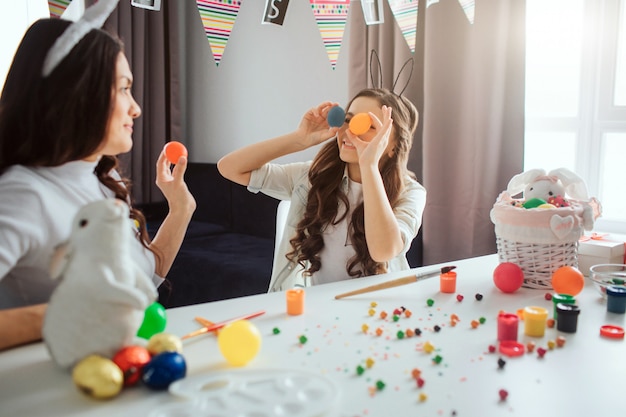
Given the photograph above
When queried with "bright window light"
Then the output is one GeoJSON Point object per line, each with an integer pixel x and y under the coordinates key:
{"type": "Point", "coordinates": [553, 50]}
{"type": "Point", "coordinates": [620, 73]}
{"type": "Point", "coordinates": [612, 173]}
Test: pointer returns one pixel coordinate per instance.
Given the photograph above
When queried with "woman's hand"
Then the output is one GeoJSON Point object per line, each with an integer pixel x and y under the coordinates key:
{"type": "Point", "coordinates": [172, 185]}
{"type": "Point", "coordinates": [370, 152]}
{"type": "Point", "coordinates": [171, 233]}
{"type": "Point", "coordinates": [314, 128]}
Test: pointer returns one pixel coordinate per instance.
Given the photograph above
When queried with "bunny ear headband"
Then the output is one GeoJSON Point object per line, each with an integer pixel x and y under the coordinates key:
{"type": "Point", "coordinates": [94, 18]}
{"type": "Point", "coordinates": [373, 55]}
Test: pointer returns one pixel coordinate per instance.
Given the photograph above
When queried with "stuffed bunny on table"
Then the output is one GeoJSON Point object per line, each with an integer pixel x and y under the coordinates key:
{"type": "Point", "coordinates": [556, 188]}
{"type": "Point", "coordinates": [99, 303]}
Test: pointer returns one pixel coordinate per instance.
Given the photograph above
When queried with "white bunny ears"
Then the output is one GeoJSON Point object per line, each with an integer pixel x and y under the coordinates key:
{"type": "Point", "coordinates": [94, 17]}
{"type": "Point", "coordinates": [573, 185]}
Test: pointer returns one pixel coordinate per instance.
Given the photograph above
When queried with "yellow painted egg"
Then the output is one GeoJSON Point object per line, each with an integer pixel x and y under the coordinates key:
{"type": "Point", "coordinates": [164, 342]}
{"type": "Point", "coordinates": [98, 377]}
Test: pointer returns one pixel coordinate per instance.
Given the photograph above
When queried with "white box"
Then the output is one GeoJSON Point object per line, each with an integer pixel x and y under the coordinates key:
{"type": "Point", "coordinates": [600, 248]}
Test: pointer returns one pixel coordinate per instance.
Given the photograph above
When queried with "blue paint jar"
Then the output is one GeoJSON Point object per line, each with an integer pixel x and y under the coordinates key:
{"type": "Point", "coordinates": [616, 299]}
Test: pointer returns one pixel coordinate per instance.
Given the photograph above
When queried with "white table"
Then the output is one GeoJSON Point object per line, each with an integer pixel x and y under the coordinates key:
{"type": "Point", "coordinates": [583, 378]}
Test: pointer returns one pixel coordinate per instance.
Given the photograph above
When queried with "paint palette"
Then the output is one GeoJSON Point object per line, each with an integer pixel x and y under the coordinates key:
{"type": "Point", "coordinates": [252, 393]}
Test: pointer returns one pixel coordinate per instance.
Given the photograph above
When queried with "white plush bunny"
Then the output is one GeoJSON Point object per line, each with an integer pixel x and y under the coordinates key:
{"type": "Point", "coordinates": [559, 184]}
{"type": "Point", "coordinates": [535, 183]}
{"type": "Point", "coordinates": [99, 304]}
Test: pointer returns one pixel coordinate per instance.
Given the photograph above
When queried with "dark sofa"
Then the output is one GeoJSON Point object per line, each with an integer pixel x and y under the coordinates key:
{"type": "Point", "coordinates": [229, 245]}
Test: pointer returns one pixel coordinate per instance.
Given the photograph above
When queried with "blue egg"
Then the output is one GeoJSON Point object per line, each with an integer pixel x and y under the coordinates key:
{"type": "Point", "coordinates": [163, 369]}
{"type": "Point", "coordinates": [336, 117]}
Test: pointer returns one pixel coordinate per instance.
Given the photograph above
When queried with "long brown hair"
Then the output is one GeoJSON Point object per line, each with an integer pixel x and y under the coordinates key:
{"type": "Point", "coordinates": [49, 121]}
{"type": "Point", "coordinates": [326, 175]}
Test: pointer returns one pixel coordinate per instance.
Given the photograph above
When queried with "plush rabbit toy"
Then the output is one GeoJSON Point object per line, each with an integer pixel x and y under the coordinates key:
{"type": "Point", "coordinates": [99, 304]}
{"type": "Point", "coordinates": [555, 187]}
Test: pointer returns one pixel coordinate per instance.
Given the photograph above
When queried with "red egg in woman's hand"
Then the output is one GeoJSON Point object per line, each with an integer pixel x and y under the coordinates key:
{"type": "Point", "coordinates": [174, 150]}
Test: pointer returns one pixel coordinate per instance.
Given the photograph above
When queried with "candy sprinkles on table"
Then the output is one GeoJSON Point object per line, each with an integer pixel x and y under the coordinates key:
{"type": "Point", "coordinates": [397, 333]}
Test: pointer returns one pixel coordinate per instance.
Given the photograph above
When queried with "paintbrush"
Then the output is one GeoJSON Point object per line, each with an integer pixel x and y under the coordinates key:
{"type": "Point", "coordinates": [398, 281]}
{"type": "Point", "coordinates": [217, 326]}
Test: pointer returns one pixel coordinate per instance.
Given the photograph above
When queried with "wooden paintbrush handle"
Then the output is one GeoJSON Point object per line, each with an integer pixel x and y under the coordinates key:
{"type": "Point", "coordinates": [381, 286]}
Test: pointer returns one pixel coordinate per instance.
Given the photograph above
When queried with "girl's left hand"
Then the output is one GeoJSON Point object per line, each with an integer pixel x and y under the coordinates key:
{"type": "Point", "coordinates": [370, 152]}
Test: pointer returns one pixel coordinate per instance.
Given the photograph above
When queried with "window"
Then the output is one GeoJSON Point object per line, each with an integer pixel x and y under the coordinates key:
{"type": "Point", "coordinates": [17, 17]}
{"type": "Point", "coordinates": [576, 96]}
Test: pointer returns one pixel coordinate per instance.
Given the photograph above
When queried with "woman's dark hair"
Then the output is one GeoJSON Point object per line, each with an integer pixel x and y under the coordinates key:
{"type": "Point", "coordinates": [325, 194]}
{"type": "Point", "coordinates": [49, 121]}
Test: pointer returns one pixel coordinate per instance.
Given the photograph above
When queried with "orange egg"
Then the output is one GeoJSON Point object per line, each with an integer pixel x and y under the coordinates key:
{"type": "Point", "coordinates": [360, 123]}
{"type": "Point", "coordinates": [568, 280]}
{"type": "Point", "coordinates": [174, 150]}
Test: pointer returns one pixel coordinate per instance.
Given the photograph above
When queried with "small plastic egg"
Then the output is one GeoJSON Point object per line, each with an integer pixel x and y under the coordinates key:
{"type": "Point", "coordinates": [131, 360]}
{"type": "Point", "coordinates": [174, 150]}
{"type": "Point", "coordinates": [239, 342]}
{"type": "Point", "coordinates": [164, 342]}
{"type": "Point", "coordinates": [360, 123]}
{"type": "Point", "coordinates": [154, 321]}
{"type": "Point", "coordinates": [98, 377]}
{"type": "Point", "coordinates": [336, 117]}
{"type": "Point", "coordinates": [533, 203]}
{"type": "Point", "coordinates": [568, 280]}
{"type": "Point", "coordinates": [163, 369]}
{"type": "Point", "coordinates": [508, 277]}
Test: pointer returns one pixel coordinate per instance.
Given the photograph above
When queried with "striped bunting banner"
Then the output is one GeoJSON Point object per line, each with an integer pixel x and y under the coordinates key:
{"type": "Point", "coordinates": [405, 12]}
{"type": "Point", "coordinates": [218, 18]}
{"type": "Point", "coordinates": [331, 16]}
{"type": "Point", "coordinates": [57, 7]}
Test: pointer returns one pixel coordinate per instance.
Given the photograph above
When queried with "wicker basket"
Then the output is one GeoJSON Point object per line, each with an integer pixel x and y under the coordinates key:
{"type": "Point", "coordinates": [538, 240]}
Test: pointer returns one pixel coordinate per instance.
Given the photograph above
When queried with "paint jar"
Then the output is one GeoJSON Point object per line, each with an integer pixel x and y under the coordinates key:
{"type": "Point", "coordinates": [447, 282]}
{"type": "Point", "coordinates": [563, 299]}
{"type": "Point", "coordinates": [507, 326]}
{"type": "Point", "coordinates": [295, 301]}
{"type": "Point", "coordinates": [616, 299]}
{"type": "Point", "coordinates": [567, 317]}
{"type": "Point", "coordinates": [535, 321]}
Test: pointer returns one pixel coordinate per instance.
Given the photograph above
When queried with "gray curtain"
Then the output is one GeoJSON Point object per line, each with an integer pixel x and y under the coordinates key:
{"type": "Point", "coordinates": [468, 85]}
{"type": "Point", "coordinates": [151, 46]}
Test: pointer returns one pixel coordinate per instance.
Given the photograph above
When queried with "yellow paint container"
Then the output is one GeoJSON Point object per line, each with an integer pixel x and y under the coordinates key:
{"type": "Point", "coordinates": [535, 321]}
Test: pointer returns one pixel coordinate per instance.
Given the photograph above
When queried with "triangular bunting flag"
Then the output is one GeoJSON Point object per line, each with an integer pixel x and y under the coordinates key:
{"type": "Point", "coordinates": [405, 12]}
{"type": "Point", "coordinates": [57, 7]}
{"type": "Point", "coordinates": [218, 18]}
{"type": "Point", "coordinates": [331, 16]}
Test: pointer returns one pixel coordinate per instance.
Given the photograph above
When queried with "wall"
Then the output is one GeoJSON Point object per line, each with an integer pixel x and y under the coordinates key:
{"type": "Point", "coordinates": [269, 76]}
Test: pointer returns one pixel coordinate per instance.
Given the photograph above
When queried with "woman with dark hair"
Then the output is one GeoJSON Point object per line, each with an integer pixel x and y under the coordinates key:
{"type": "Point", "coordinates": [66, 111]}
{"type": "Point", "coordinates": [356, 207]}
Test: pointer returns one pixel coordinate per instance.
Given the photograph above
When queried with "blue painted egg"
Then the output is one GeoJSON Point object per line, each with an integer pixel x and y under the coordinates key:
{"type": "Point", "coordinates": [336, 117]}
{"type": "Point", "coordinates": [163, 369]}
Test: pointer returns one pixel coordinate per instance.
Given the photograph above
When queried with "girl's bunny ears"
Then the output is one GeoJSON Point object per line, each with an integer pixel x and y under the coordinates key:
{"type": "Point", "coordinates": [573, 185]}
{"type": "Point", "coordinates": [378, 69]}
{"type": "Point", "coordinates": [93, 18]}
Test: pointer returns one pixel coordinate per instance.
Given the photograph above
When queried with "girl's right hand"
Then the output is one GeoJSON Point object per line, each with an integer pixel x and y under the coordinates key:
{"type": "Point", "coordinates": [314, 128]}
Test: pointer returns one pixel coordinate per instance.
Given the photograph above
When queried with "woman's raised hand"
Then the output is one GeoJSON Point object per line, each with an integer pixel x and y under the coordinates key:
{"type": "Point", "coordinates": [370, 152]}
{"type": "Point", "coordinates": [314, 128]}
{"type": "Point", "coordinates": [172, 184]}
